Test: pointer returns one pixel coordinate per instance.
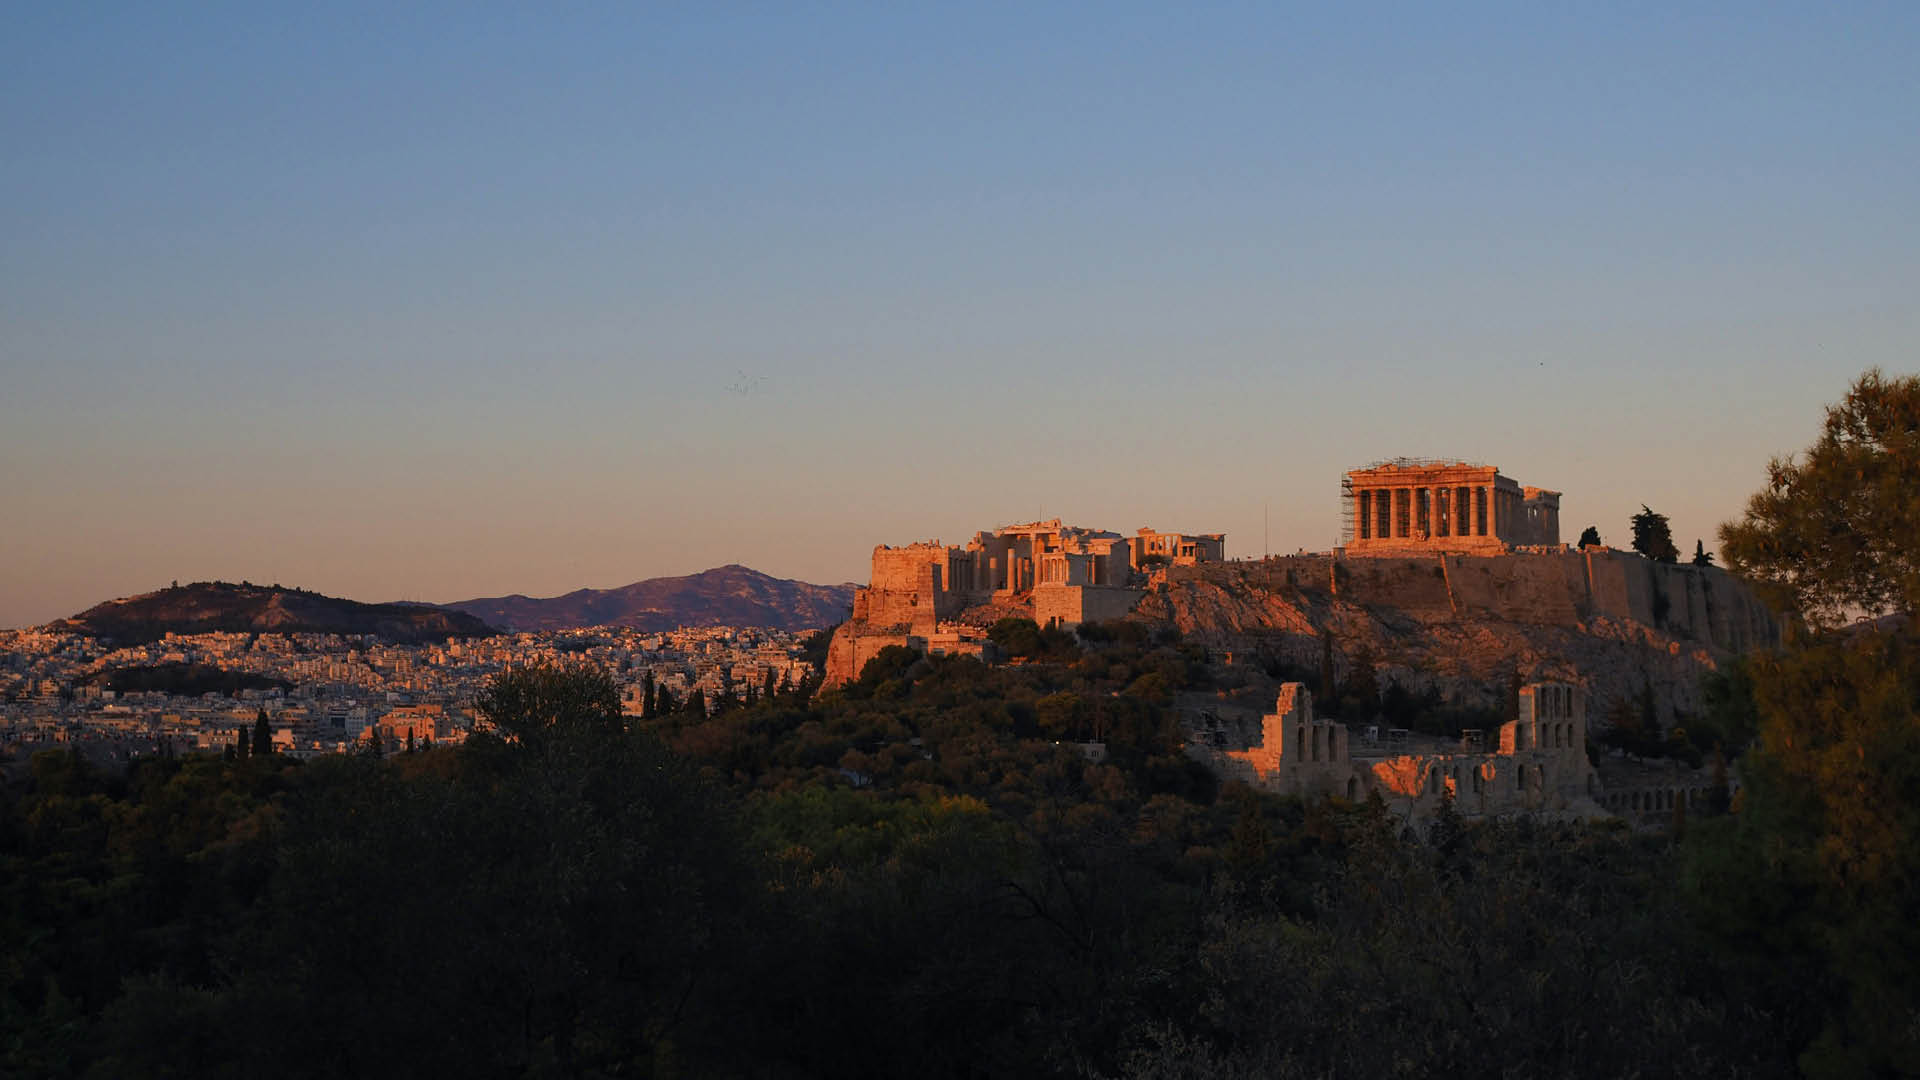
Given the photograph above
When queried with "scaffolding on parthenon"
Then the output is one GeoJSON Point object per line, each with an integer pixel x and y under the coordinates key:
{"type": "Point", "coordinates": [1349, 504]}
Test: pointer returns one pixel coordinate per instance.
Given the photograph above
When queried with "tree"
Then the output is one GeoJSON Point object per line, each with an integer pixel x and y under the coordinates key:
{"type": "Point", "coordinates": [1329, 691]}
{"type": "Point", "coordinates": [1700, 556]}
{"type": "Point", "coordinates": [1817, 873]}
{"type": "Point", "coordinates": [1832, 535]}
{"type": "Point", "coordinates": [1016, 636]}
{"type": "Point", "coordinates": [242, 746]}
{"type": "Point", "coordinates": [262, 734]}
{"type": "Point", "coordinates": [1590, 537]}
{"type": "Point", "coordinates": [1363, 684]}
{"type": "Point", "coordinates": [1652, 538]}
{"type": "Point", "coordinates": [526, 704]}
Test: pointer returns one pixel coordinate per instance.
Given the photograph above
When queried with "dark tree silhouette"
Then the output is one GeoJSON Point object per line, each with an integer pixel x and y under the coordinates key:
{"type": "Point", "coordinates": [1652, 537]}
{"type": "Point", "coordinates": [1832, 535]}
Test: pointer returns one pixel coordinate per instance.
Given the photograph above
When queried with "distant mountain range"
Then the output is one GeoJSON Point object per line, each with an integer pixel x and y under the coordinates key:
{"type": "Point", "coordinates": [208, 606]}
{"type": "Point", "coordinates": [724, 596]}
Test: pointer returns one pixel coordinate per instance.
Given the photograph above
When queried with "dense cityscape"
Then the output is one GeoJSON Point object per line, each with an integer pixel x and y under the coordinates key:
{"type": "Point", "coordinates": [322, 693]}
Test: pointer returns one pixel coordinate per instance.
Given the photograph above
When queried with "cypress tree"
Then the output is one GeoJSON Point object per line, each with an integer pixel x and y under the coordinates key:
{"type": "Point", "coordinates": [767, 687]}
{"type": "Point", "coordinates": [1700, 556]}
{"type": "Point", "coordinates": [1329, 693]}
{"type": "Point", "coordinates": [409, 740]}
{"type": "Point", "coordinates": [262, 734]}
{"type": "Point", "coordinates": [241, 747]}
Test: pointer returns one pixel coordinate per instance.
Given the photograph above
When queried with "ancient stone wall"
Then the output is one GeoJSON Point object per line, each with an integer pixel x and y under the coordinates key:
{"type": "Point", "coordinates": [848, 652]}
{"type": "Point", "coordinates": [1556, 586]}
{"type": "Point", "coordinates": [1540, 764]}
{"type": "Point", "coordinates": [1069, 605]}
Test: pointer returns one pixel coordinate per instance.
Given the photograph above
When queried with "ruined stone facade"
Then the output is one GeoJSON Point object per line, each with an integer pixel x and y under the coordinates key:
{"type": "Point", "coordinates": [1056, 574]}
{"type": "Point", "coordinates": [1433, 506]}
{"type": "Point", "coordinates": [1537, 763]}
{"type": "Point", "coordinates": [1176, 549]}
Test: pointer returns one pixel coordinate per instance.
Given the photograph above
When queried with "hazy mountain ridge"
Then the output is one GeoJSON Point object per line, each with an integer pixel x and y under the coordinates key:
{"type": "Point", "coordinates": [731, 595]}
{"type": "Point", "coordinates": [208, 606]}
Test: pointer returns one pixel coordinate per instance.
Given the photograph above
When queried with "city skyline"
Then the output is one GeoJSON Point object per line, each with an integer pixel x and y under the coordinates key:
{"type": "Point", "coordinates": [440, 305]}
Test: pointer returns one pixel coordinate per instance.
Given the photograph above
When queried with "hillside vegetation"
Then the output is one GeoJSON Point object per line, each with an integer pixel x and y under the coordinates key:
{"type": "Point", "coordinates": [209, 606]}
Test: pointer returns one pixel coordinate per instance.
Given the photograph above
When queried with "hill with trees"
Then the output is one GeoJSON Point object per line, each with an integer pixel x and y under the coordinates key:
{"type": "Point", "coordinates": [209, 606]}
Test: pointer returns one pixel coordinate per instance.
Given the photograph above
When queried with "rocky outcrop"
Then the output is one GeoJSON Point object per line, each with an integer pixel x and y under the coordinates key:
{"type": "Point", "coordinates": [1464, 625]}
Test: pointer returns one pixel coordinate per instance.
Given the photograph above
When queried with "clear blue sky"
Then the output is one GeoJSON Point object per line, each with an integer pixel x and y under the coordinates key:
{"type": "Point", "coordinates": [392, 301]}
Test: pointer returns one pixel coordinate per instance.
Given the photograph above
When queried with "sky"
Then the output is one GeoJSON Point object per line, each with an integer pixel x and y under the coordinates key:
{"type": "Point", "coordinates": [404, 301]}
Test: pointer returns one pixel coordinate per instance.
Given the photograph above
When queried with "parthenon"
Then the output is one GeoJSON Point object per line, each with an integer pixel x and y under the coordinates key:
{"type": "Point", "coordinates": [1447, 506]}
